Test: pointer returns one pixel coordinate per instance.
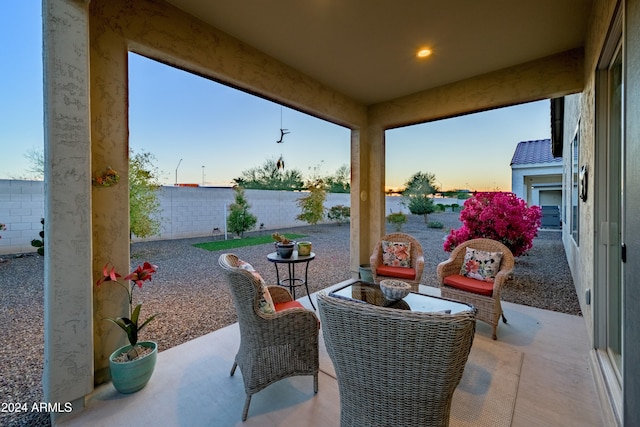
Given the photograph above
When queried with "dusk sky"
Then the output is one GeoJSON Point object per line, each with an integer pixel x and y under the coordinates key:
{"type": "Point", "coordinates": [176, 115]}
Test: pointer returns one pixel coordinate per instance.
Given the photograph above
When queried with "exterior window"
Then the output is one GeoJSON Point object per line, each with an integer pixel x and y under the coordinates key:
{"type": "Point", "coordinates": [575, 187]}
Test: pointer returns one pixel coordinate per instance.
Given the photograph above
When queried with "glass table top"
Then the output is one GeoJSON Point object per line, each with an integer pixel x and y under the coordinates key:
{"type": "Point", "coordinates": [371, 294]}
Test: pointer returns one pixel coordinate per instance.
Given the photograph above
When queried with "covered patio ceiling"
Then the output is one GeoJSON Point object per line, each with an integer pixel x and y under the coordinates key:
{"type": "Point", "coordinates": [366, 49]}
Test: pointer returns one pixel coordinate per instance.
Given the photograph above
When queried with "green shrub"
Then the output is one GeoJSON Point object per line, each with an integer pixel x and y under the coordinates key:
{"type": "Point", "coordinates": [435, 224]}
{"type": "Point", "coordinates": [39, 243]}
{"type": "Point", "coordinates": [339, 214]}
{"type": "Point", "coordinates": [144, 206]}
{"type": "Point", "coordinates": [240, 219]}
{"type": "Point", "coordinates": [397, 219]}
{"type": "Point", "coordinates": [312, 206]}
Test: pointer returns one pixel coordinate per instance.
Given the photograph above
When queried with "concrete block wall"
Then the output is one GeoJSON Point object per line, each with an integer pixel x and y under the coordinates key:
{"type": "Point", "coordinates": [186, 211]}
{"type": "Point", "coordinates": [200, 211]}
{"type": "Point", "coordinates": [21, 209]}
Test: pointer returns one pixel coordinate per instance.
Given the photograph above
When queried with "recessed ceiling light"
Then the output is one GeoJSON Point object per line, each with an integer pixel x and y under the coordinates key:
{"type": "Point", "coordinates": [423, 52]}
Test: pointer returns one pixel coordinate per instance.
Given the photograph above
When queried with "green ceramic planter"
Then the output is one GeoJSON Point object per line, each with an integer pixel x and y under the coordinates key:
{"type": "Point", "coordinates": [365, 273]}
{"type": "Point", "coordinates": [129, 377]}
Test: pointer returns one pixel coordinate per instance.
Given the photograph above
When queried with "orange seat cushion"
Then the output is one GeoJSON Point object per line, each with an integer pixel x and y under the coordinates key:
{"type": "Point", "coordinates": [289, 304]}
{"type": "Point", "coordinates": [281, 306]}
{"type": "Point", "coordinates": [399, 272]}
{"type": "Point", "coordinates": [470, 285]}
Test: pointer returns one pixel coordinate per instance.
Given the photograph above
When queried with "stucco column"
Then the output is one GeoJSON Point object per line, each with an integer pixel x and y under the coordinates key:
{"type": "Point", "coordinates": [359, 199]}
{"type": "Point", "coordinates": [68, 351]}
{"type": "Point", "coordinates": [367, 193]}
{"type": "Point", "coordinates": [109, 148]}
{"type": "Point", "coordinates": [376, 172]}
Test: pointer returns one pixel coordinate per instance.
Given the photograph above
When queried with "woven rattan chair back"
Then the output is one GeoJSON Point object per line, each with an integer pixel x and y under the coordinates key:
{"type": "Point", "coordinates": [489, 307]}
{"type": "Point", "coordinates": [417, 257]}
{"type": "Point", "coordinates": [395, 367]}
{"type": "Point", "coordinates": [272, 346]}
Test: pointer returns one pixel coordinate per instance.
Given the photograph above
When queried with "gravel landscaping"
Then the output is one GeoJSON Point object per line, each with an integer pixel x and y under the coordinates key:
{"type": "Point", "coordinates": [190, 291]}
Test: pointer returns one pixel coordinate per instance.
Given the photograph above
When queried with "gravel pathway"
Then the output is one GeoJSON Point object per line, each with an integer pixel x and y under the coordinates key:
{"type": "Point", "coordinates": [190, 290]}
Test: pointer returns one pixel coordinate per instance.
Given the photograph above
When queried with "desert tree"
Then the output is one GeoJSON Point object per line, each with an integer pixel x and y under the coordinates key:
{"type": "Point", "coordinates": [418, 192]}
{"type": "Point", "coordinates": [240, 219]}
{"type": "Point", "coordinates": [144, 206]}
{"type": "Point", "coordinates": [340, 181]}
{"type": "Point", "coordinates": [271, 175]}
{"type": "Point", "coordinates": [312, 205]}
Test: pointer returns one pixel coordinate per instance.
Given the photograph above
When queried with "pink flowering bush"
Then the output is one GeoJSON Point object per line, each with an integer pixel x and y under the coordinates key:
{"type": "Point", "coordinates": [499, 216]}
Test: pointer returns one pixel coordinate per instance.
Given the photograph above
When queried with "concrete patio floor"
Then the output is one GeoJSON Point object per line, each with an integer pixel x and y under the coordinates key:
{"type": "Point", "coordinates": [191, 385]}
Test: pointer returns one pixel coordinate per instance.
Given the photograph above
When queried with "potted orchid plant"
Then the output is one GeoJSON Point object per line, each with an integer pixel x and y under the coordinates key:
{"type": "Point", "coordinates": [131, 366]}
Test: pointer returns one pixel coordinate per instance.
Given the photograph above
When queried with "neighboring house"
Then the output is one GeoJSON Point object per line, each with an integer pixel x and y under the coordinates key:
{"type": "Point", "coordinates": [536, 177]}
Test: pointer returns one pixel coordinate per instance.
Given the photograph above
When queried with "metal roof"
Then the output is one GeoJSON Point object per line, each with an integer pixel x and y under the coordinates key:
{"type": "Point", "coordinates": [534, 152]}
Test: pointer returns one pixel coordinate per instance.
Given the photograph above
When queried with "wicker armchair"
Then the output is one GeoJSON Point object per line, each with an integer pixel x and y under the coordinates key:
{"type": "Point", "coordinates": [394, 367]}
{"type": "Point", "coordinates": [272, 346]}
{"type": "Point", "coordinates": [417, 259]}
{"type": "Point", "coordinates": [488, 306]}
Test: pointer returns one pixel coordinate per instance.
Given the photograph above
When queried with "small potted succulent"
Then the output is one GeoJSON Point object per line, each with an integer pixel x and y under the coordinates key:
{"type": "Point", "coordinates": [284, 246]}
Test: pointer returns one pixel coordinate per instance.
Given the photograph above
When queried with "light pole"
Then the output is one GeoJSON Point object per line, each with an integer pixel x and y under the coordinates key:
{"type": "Point", "coordinates": [177, 171]}
{"type": "Point", "coordinates": [203, 175]}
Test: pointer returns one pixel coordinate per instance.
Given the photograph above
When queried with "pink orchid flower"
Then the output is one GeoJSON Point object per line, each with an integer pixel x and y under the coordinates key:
{"type": "Point", "coordinates": [108, 275]}
{"type": "Point", "coordinates": [142, 273]}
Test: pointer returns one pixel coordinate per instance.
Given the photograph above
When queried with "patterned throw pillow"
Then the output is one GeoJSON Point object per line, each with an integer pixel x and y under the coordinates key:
{"type": "Point", "coordinates": [265, 303]}
{"type": "Point", "coordinates": [396, 254]}
{"type": "Point", "coordinates": [481, 265]}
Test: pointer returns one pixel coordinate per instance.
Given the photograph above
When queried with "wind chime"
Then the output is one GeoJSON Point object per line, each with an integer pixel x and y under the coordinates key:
{"type": "Point", "coordinates": [283, 132]}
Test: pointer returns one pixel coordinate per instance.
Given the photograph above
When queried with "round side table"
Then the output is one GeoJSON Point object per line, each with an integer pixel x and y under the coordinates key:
{"type": "Point", "coordinates": [292, 282]}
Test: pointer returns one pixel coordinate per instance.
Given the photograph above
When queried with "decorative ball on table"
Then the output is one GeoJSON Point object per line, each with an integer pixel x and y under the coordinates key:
{"type": "Point", "coordinates": [394, 289]}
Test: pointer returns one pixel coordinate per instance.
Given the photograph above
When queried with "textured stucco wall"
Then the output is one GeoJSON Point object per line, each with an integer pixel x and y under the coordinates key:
{"type": "Point", "coordinates": [586, 258]}
{"type": "Point", "coordinates": [572, 116]}
{"type": "Point", "coordinates": [68, 322]}
{"type": "Point", "coordinates": [580, 108]}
